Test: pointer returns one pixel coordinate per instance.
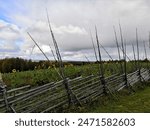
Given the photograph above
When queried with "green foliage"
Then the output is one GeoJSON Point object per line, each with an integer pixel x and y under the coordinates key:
{"type": "Point", "coordinates": [36, 77]}
{"type": "Point", "coordinates": [41, 76]}
{"type": "Point", "coordinates": [8, 64]}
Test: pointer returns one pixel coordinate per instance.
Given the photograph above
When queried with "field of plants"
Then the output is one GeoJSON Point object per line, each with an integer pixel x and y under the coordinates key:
{"type": "Point", "coordinates": [43, 76]}
{"type": "Point", "coordinates": [83, 88]}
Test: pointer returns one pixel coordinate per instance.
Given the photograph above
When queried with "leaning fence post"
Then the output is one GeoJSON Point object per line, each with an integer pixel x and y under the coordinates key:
{"type": "Point", "coordinates": [101, 69]}
{"type": "Point", "coordinates": [149, 72]}
{"type": "Point", "coordinates": [72, 99]}
{"type": "Point", "coordinates": [102, 79]}
{"type": "Point", "coordinates": [139, 74]}
{"type": "Point", "coordinates": [138, 57]}
{"type": "Point", "coordinates": [66, 83]}
{"type": "Point", "coordinates": [3, 91]}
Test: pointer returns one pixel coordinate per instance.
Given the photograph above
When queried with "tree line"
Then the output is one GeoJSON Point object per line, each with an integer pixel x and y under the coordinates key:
{"type": "Point", "coordinates": [9, 64]}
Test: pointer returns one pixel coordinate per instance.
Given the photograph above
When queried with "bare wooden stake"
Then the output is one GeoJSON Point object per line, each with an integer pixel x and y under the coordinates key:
{"type": "Point", "coordinates": [145, 54]}
{"type": "Point", "coordinates": [122, 42]}
{"type": "Point", "coordinates": [61, 66]}
{"type": "Point", "coordinates": [134, 57]}
{"type": "Point", "coordinates": [149, 39]}
{"type": "Point", "coordinates": [138, 54]}
{"type": "Point", "coordinates": [99, 52]}
{"type": "Point", "coordinates": [124, 55]}
{"type": "Point", "coordinates": [53, 53]}
{"type": "Point", "coordinates": [3, 91]}
{"type": "Point", "coordinates": [37, 46]}
{"type": "Point", "coordinates": [106, 52]}
{"type": "Point", "coordinates": [93, 46]}
{"type": "Point", "coordinates": [149, 50]}
{"type": "Point", "coordinates": [32, 51]}
{"type": "Point", "coordinates": [42, 52]}
{"type": "Point", "coordinates": [103, 49]}
{"type": "Point", "coordinates": [121, 67]}
{"type": "Point", "coordinates": [101, 69]}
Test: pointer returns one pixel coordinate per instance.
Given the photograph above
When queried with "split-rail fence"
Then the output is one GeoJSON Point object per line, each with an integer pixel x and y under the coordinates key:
{"type": "Point", "coordinates": [55, 97]}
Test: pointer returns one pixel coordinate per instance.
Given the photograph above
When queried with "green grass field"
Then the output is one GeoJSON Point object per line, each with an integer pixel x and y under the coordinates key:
{"type": "Point", "coordinates": [43, 76]}
{"type": "Point", "coordinates": [138, 102]}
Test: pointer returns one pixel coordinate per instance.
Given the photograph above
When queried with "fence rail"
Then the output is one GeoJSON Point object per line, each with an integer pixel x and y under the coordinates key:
{"type": "Point", "coordinates": [53, 97]}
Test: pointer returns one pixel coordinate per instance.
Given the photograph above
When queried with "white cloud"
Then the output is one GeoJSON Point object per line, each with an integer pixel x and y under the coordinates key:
{"type": "Point", "coordinates": [9, 36]}
{"type": "Point", "coordinates": [70, 22]}
{"type": "Point", "coordinates": [70, 29]}
{"type": "Point", "coordinates": [8, 31]}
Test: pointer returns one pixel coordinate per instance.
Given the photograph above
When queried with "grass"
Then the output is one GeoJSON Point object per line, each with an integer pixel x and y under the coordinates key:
{"type": "Point", "coordinates": [135, 102]}
{"type": "Point", "coordinates": [43, 76]}
{"type": "Point", "coordinates": [138, 102]}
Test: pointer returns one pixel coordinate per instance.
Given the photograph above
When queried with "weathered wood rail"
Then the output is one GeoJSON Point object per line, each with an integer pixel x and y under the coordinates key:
{"type": "Point", "coordinates": [53, 97]}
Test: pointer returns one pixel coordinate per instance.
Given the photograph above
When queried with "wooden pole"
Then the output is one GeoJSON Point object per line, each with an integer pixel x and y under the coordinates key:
{"type": "Point", "coordinates": [3, 91]}
{"type": "Point", "coordinates": [93, 46]}
{"type": "Point", "coordinates": [124, 55]}
{"type": "Point", "coordinates": [61, 66]}
{"type": "Point", "coordinates": [101, 69]}
{"type": "Point", "coordinates": [134, 57]}
{"type": "Point", "coordinates": [106, 52]}
{"type": "Point", "coordinates": [32, 51]}
{"type": "Point", "coordinates": [121, 67]}
{"type": "Point", "coordinates": [138, 56]}
{"type": "Point", "coordinates": [37, 46]}
{"type": "Point", "coordinates": [53, 53]}
{"type": "Point", "coordinates": [149, 39]}
{"type": "Point", "coordinates": [42, 52]}
{"type": "Point", "coordinates": [149, 50]}
{"type": "Point", "coordinates": [99, 52]}
{"type": "Point", "coordinates": [145, 54]}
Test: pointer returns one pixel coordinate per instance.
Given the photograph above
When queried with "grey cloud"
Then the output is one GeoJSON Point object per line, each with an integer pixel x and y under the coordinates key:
{"type": "Point", "coordinates": [9, 36]}
{"type": "Point", "coordinates": [71, 20]}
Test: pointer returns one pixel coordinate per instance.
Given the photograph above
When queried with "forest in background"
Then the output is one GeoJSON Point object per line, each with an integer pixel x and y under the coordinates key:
{"type": "Point", "coordinates": [9, 65]}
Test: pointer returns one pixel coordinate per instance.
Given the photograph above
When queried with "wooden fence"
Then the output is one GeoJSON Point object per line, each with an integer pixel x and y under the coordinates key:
{"type": "Point", "coordinates": [54, 97]}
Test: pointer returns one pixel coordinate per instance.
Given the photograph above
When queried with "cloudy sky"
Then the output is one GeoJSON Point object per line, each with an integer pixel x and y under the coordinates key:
{"type": "Point", "coordinates": [71, 21]}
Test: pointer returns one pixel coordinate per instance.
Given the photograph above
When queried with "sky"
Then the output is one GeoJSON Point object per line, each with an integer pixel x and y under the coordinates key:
{"type": "Point", "coordinates": [72, 21]}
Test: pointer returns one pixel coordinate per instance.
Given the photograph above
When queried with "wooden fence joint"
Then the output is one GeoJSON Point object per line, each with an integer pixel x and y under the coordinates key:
{"type": "Point", "coordinates": [3, 91]}
{"type": "Point", "coordinates": [103, 82]}
{"type": "Point", "coordinates": [72, 99]}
